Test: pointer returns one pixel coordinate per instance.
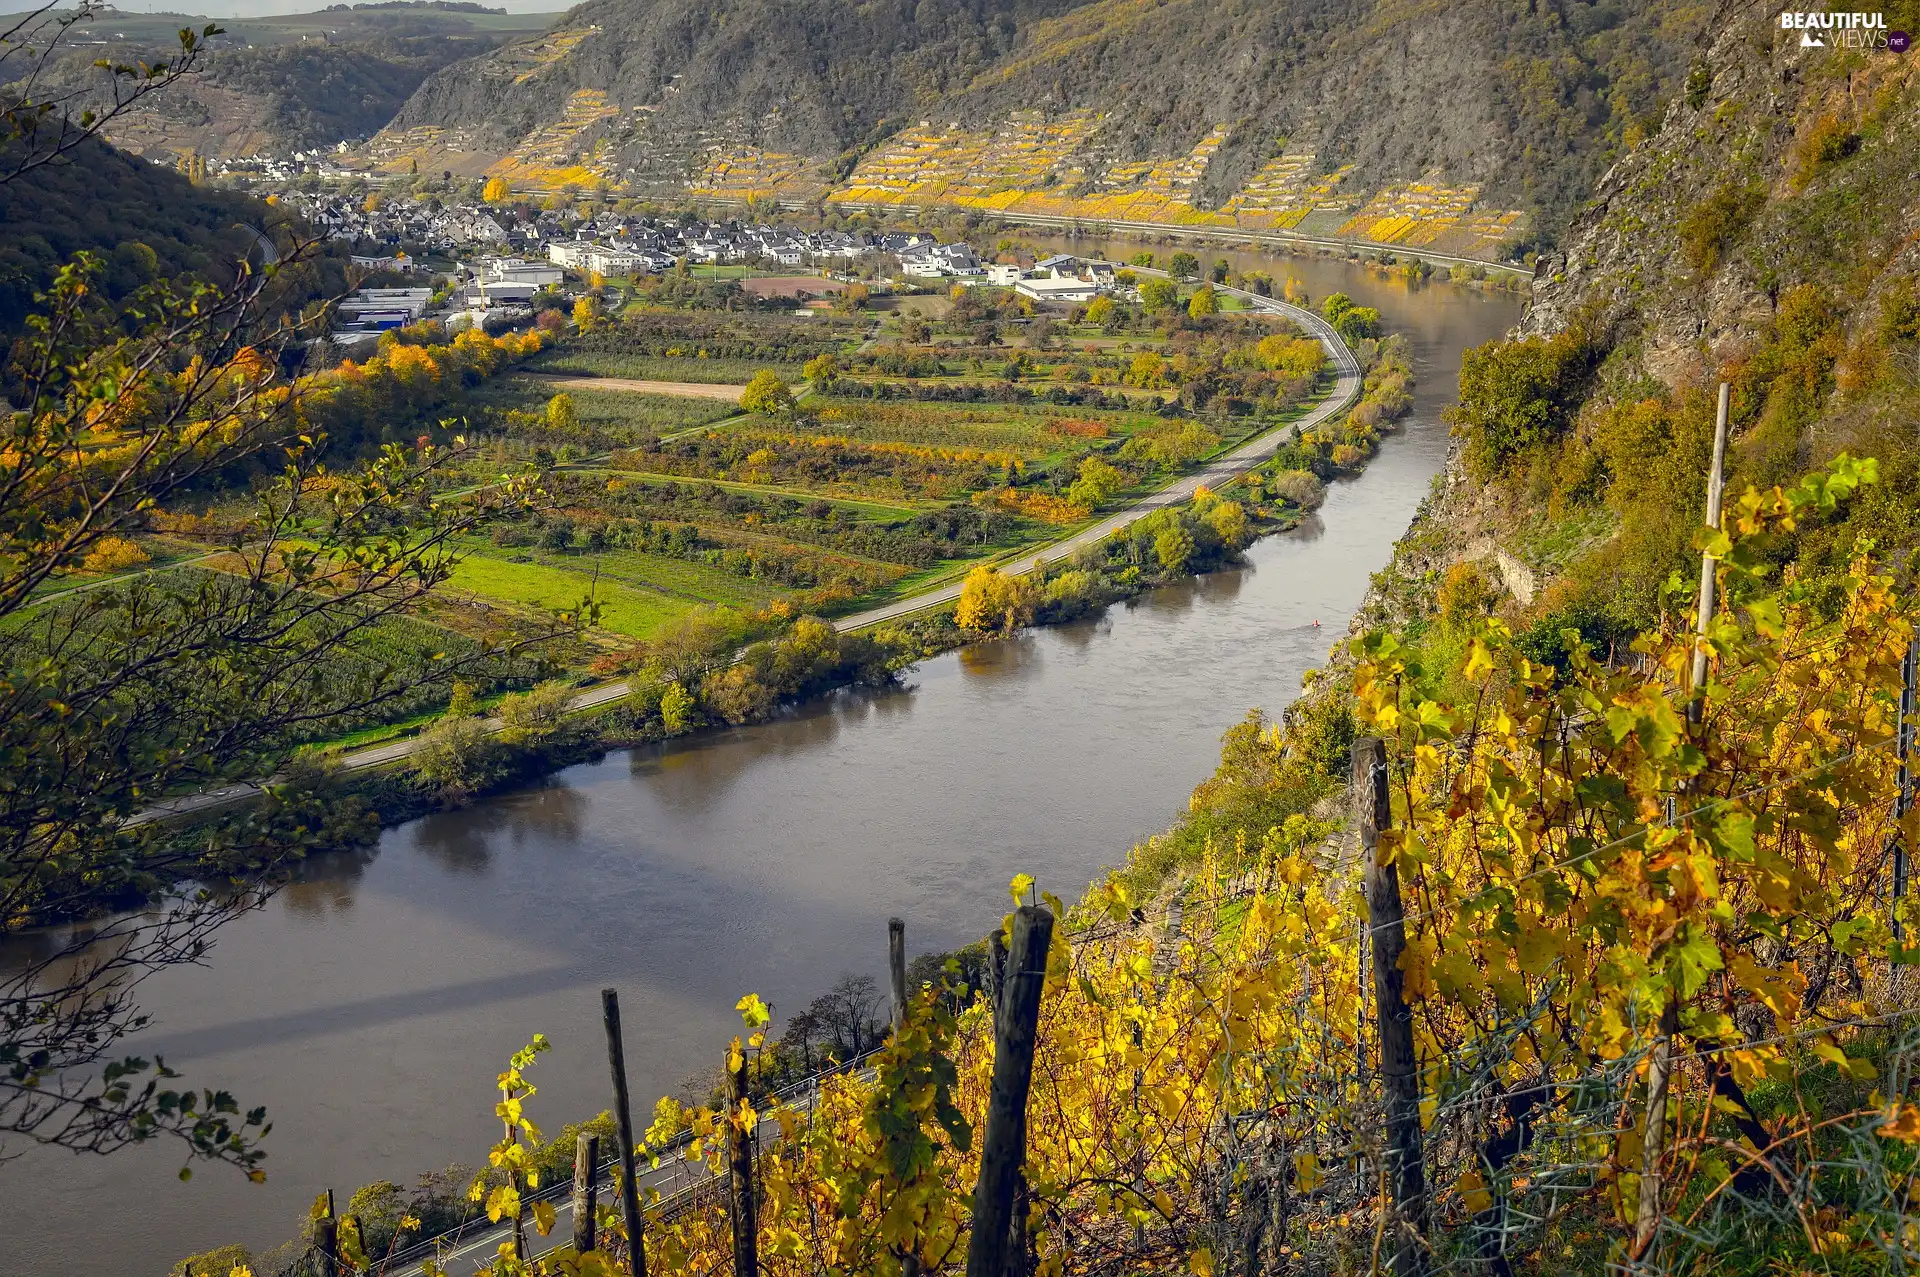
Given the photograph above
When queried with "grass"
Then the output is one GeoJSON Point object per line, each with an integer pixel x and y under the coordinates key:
{"type": "Point", "coordinates": [612, 411]}
{"type": "Point", "coordinates": [601, 363]}
{"type": "Point", "coordinates": [678, 577]}
{"type": "Point", "coordinates": [624, 609]}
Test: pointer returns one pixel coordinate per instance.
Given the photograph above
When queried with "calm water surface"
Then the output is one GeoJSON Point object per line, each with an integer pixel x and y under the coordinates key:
{"type": "Point", "coordinates": [370, 1007]}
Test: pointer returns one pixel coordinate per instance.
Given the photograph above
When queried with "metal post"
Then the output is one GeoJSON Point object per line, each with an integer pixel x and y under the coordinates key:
{"type": "Point", "coordinates": [1004, 1150]}
{"type": "Point", "coordinates": [1405, 1160]}
{"type": "Point", "coordinates": [623, 1120]}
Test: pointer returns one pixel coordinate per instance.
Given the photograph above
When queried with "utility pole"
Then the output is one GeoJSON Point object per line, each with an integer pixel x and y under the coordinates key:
{"type": "Point", "coordinates": [1405, 1160]}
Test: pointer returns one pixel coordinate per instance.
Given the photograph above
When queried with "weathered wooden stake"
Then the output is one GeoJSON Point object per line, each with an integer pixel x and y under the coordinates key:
{"type": "Point", "coordinates": [897, 982]}
{"type": "Point", "coordinates": [1646, 1219]}
{"type": "Point", "coordinates": [586, 1191]}
{"type": "Point", "coordinates": [1398, 1066]}
{"type": "Point", "coordinates": [996, 971]}
{"type": "Point", "coordinates": [746, 1226]}
{"type": "Point", "coordinates": [1903, 796]}
{"type": "Point", "coordinates": [1004, 1150]}
{"type": "Point", "coordinates": [897, 969]}
{"type": "Point", "coordinates": [1716, 484]}
{"type": "Point", "coordinates": [326, 1238]}
{"type": "Point", "coordinates": [623, 1120]}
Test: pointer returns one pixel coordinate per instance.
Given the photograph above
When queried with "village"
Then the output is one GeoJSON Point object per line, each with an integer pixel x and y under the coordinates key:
{"type": "Point", "coordinates": [489, 266]}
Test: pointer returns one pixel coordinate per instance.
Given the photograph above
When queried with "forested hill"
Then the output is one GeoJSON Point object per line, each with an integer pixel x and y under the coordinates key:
{"type": "Point", "coordinates": [1195, 101]}
{"type": "Point", "coordinates": [1767, 234]}
{"type": "Point", "coordinates": [146, 221]}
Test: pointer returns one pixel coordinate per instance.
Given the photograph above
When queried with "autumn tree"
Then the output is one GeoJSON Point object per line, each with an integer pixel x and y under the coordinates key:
{"type": "Point", "coordinates": [1100, 311]}
{"type": "Point", "coordinates": [1158, 294]}
{"type": "Point", "coordinates": [1184, 266]}
{"type": "Point", "coordinates": [169, 682]}
{"type": "Point", "coordinates": [586, 313]}
{"type": "Point", "coordinates": [496, 191]}
{"type": "Point", "coordinates": [1203, 303]}
{"type": "Point", "coordinates": [993, 602]}
{"type": "Point", "coordinates": [766, 394]}
{"type": "Point", "coordinates": [561, 414]}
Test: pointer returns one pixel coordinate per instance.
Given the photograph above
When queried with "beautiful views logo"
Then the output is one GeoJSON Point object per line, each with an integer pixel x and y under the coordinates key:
{"type": "Point", "coordinates": [1843, 31]}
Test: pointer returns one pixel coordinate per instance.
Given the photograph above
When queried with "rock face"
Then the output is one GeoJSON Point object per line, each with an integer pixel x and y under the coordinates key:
{"type": "Point", "coordinates": [1521, 102]}
{"type": "Point", "coordinates": [1765, 233]}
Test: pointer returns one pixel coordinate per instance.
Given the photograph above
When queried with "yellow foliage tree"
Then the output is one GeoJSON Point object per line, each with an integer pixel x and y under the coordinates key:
{"type": "Point", "coordinates": [496, 191]}
{"type": "Point", "coordinates": [586, 314]}
{"type": "Point", "coordinates": [993, 602]}
{"type": "Point", "coordinates": [766, 394]}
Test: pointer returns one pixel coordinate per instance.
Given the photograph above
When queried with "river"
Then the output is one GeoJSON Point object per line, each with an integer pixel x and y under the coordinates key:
{"type": "Point", "coordinates": [370, 1005]}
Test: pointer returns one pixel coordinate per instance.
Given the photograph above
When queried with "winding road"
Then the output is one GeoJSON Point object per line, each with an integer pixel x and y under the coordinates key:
{"type": "Point", "coordinates": [1216, 473]}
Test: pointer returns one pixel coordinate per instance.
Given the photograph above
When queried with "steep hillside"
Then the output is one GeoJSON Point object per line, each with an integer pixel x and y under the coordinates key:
{"type": "Point", "coordinates": [148, 222]}
{"type": "Point", "coordinates": [1381, 120]}
{"type": "Point", "coordinates": [1768, 235]}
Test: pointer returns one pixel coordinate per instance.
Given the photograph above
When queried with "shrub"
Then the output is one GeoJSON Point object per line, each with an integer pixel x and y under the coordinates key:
{"type": "Point", "coordinates": [113, 554]}
{"type": "Point", "coordinates": [535, 718]}
{"type": "Point", "coordinates": [1514, 396]}
{"type": "Point", "coordinates": [455, 756]}
{"type": "Point", "coordinates": [991, 601]}
{"type": "Point", "coordinates": [1301, 487]}
{"type": "Point", "coordinates": [218, 1262]}
{"type": "Point", "coordinates": [1712, 226]}
{"type": "Point", "coordinates": [676, 709]}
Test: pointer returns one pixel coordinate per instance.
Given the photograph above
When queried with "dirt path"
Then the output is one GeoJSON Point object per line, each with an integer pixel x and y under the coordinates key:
{"type": "Point", "coordinates": [684, 389]}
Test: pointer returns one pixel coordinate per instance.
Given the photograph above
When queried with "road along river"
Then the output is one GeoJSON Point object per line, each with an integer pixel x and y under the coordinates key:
{"type": "Point", "coordinates": [370, 1005]}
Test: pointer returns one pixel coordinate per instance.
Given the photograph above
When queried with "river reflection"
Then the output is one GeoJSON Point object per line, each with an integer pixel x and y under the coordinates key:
{"type": "Point", "coordinates": [372, 1002]}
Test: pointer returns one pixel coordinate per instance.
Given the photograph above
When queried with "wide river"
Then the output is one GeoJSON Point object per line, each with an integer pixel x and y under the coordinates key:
{"type": "Point", "coordinates": [370, 1006]}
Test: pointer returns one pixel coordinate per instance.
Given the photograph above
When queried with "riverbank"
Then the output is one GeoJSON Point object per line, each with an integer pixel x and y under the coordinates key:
{"type": "Point", "coordinates": [709, 684]}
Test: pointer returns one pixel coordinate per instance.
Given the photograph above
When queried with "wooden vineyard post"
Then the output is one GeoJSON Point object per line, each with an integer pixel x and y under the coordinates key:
{"type": "Point", "coordinates": [623, 1122]}
{"type": "Point", "coordinates": [996, 971]}
{"type": "Point", "coordinates": [1903, 796]}
{"type": "Point", "coordinates": [326, 1239]}
{"type": "Point", "coordinates": [746, 1226]}
{"type": "Point", "coordinates": [1696, 689]}
{"type": "Point", "coordinates": [897, 969]}
{"type": "Point", "coordinates": [586, 1190]}
{"type": "Point", "coordinates": [1004, 1150]}
{"type": "Point", "coordinates": [1398, 1068]}
{"type": "Point", "coordinates": [897, 983]}
{"type": "Point", "coordinates": [1653, 1137]}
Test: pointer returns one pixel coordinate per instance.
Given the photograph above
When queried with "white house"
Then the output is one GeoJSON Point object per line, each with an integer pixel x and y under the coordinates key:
{"type": "Point", "coordinates": [571, 253]}
{"type": "Point", "coordinates": [517, 270]}
{"type": "Point", "coordinates": [1064, 289]}
{"type": "Point", "coordinates": [615, 261]}
{"type": "Point", "coordinates": [1004, 276]}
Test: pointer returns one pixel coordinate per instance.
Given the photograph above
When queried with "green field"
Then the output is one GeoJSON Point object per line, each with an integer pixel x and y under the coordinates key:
{"type": "Point", "coordinates": [628, 413]}
{"type": "Point", "coordinates": [623, 608]}
{"type": "Point", "coordinates": [711, 371]}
